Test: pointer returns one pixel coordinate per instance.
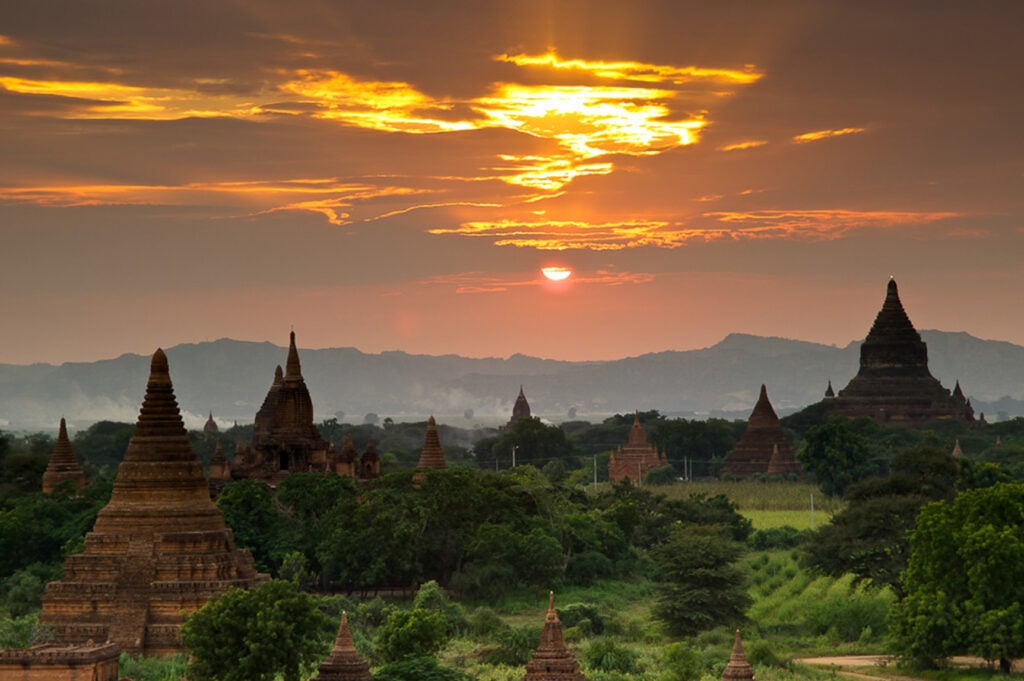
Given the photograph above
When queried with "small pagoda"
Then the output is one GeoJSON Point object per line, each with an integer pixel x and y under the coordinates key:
{"type": "Point", "coordinates": [520, 411]}
{"type": "Point", "coordinates": [553, 661]}
{"type": "Point", "coordinates": [893, 383]}
{"type": "Point", "coordinates": [636, 458]}
{"type": "Point", "coordinates": [62, 466]}
{"type": "Point", "coordinates": [763, 447]}
{"type": "Point", "coordinates": [344, 663]}
{"type": "Point", "coordinates": [738, 668]}
{"type": "Point", "coordinates": [432, 456]}
{"type": "Point", "coordinates": [159, 550]}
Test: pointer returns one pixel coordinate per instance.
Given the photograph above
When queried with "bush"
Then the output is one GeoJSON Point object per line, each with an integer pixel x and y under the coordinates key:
{"type": "Point", "coordinates": [22, 632]}
{"type": "Point", "coordinates": [848, 617]}
{"type": "Point", "coordinates": [581, 615]}
{"type": "Point", "coordinates": [680, 663]}
{"type": "Point", "coordinates": [785, 537]}
{"type": "Point", "coordinates": [606, 655]}
{"type": "Point", "coordinates": [411, 634]}
{"type": "Point", "coordinates": [418, 669]}
{"type": "Point", "coordinates": [515, 646]}
{"type": "Point", "coordinates": [662, 475]}
{"type": "Point", "coordinates": [588, 566]}
{"type": "Point", "coordinates": [152, 668]}
{"type": "Point", "coordinates": [762, 654]}
{"type": "Point", "coordinates": [485, 624]}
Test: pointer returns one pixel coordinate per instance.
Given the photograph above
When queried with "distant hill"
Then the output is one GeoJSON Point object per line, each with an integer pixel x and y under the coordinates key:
{"type": "Point", "coordinates": [231, 378]}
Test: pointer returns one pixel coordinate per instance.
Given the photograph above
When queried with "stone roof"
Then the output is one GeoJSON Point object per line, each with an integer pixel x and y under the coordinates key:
{"type": "Point", "coordinates": [63, 466]}
{"type": "Point", "coordinates": [159, 548]}
{"type": "Point", "coordinates": [738, 668]}
{"type": "Point", "coordinates": [344, 663]}
{"type": "Point", "coordinates": [761, 442]}
{"type": "Point", "coordinates": [553, 661]}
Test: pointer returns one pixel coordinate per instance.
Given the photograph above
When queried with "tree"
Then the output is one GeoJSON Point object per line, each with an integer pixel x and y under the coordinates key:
{"type": "Point", "coordinates": [698, 585]}
{"type": "Point", "coordinates": [965, 579]}
{"type": "Point", "coordinates": [837, 455]}
{"type": "Point", "coordinates": [258, 523]}
{"type": "Point", "coordinates": [257, 634]}
{"type": "Point", "coordinates": [418, 669]}
{"type": "Point", "coordinates": [412, 633]}
{"type": "Point", "coordinates": [869, 536]}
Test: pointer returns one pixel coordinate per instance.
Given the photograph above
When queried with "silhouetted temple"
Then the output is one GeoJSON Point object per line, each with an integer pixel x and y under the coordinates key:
{"type": "Point", "coordinates": [210, 427]}
{"type": "Point", "coordinates": [62, 466]}
{"type": "Point", "coordinates": [634, 460]}
{"type": "Point", "coordinates": [553, 661]}
{"type": "Point", "coordinates": [344, 663]}
{"type": "Point", "coordinates": [432, 456]}
{"type": "Point", "coordinates": [763, 447]}
{"type": "Point", "coordinates": [285, 438]}
{"type": "Point", "coordinates": [893, 383]}
{"type": "Point", "coordinates": [738, 668]}
{"type": "Point", "coordinates": [520, 410]}
{"type": "Point", "coordinates": [159, 549]}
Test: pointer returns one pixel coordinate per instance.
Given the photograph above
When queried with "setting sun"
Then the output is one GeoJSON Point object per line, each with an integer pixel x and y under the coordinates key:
{"type": "Point", "coordinates": [556, 273]}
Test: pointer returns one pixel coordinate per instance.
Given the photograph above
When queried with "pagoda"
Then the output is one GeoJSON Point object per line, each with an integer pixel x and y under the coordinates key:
{"type": "Point", "coordinates": [344, 663]}
{"type": "Point", "coordinates": [738, 668]}
{"type": "Point", "coordinates": [432, 457]}
{"type": "Point", "coordinates": [210, 427]}
{"type": "Point", "coordinates": [634, 460]}
{"type": "Point", "coordinates": [62, 466]}
{"type": "Point", "coordinates": [893, 383]}
{"type": "Point", "coordinates": [763, 447]}
{"type": "Point", "coordinates": [370, 462]}
{"type": "Point", "coordinates": [159, 549]}
{"type": "Point", "coordinates": [285, 438]}
{"type": "Point", "coordinates": [553, 661]}
{"type": "Point", "coordinates": [520, 411]}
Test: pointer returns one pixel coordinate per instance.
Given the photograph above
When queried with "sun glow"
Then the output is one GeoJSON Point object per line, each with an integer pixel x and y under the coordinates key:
{"type": "Point", "coordinates": [556, 273]}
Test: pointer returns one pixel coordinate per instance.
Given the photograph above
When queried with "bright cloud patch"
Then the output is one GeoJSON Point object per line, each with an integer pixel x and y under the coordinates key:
{"type": "Point", "coordinates": [825, 134]}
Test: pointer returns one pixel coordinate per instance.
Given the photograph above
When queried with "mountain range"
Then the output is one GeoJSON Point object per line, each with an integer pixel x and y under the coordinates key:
{"type": "Point", "coordinates": [230, 379]}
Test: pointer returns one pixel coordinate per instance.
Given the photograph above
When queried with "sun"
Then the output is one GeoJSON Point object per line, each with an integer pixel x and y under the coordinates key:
{"type": "Point", "coordinates": [556, 273]}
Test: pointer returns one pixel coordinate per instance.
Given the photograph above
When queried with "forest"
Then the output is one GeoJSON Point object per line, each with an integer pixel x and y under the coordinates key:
{"type": "Point", "coordinates": [448, 577]}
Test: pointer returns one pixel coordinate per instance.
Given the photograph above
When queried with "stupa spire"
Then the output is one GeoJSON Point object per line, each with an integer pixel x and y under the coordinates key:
{"type": "Point", "coordinates": [344, 663]}
{"type": "Point", "coordinates": [292, 368]}
{"type": "Point", "coordinates": [738, 668]}
{"type": "Point", "coordinates": [552, 661]}
{"type": "Point", "coordinates": [432, 455]}
{"type": "Point", "coordinates": [62, 466]}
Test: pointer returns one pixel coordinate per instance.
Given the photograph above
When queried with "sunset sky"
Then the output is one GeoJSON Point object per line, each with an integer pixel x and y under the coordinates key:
{"type": "Point", "coordinates": [395, 175]}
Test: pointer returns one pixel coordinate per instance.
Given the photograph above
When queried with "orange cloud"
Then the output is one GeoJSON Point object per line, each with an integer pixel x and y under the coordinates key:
{"type": "Point", "coordinates": [825, 134]}
{"type": "Point", "coordinates": [637, 71]}
{"type": "Point", "coordinates": [740, 146]}
{"type": "Point", "coordinates": [554, 235]}
{"type": "Point", "coordinates": [814, 224]}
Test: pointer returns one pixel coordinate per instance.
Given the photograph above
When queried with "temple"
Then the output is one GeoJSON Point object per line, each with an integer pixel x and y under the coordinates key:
{"type": "Point", "coordinates": [763, 447]}
{"type": "Point", "coordinates": [893, 383]}
{"type": "Point", "coordinates": [738, 668]}
{"type": "Point", "coordinates": [432, 456]}
{"type": "Point", "coordinates": [210, 427]}
{"type": "Point", "coordinates": [344, 663]}
{"type": "Point", "coordinates": [553, 661]}
{"type": "Point", "coordinates": [636, 458]}
{"type": "Point", "coordinates": [159, 550]}
{"type": "Point", "coordinates": [50, 662]}
{"type": "Point", "coordinates": [285, 438]}
{"type": "Point", "coordinates": [520, 410]}
{"type": "Point", "coordinates": [62, 466]}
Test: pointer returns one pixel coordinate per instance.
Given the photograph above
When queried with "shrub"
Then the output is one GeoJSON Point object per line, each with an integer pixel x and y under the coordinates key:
{"type": "Point", "coordinates": [576, 614]}
{"type": "Point", "coordinates": [606, 655]}
{"type": "Point", "coordinates": [418, 669]}
{"type": "Point", "coordinates": [680, 663]}
{"type": "Point", "coordinates": [784, 537]}
{"type": "Point", "coordinates": [848, 617]}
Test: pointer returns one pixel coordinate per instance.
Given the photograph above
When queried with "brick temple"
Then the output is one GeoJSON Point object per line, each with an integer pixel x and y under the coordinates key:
{"type": "Point", "coordinates": [159, 549]}
{"type": "Point", "coordinates": [636, 458]}
{"type": "Point", "coordinates": [520, 411]}
{"type": "Point", "coordinates": [894, 383]}
{"type": "Point", "coordinates": [553, 661]}
{"type": "Point", "coordinates": [344, 663]}
{"type": "Point", "coordinates": [763, 447]}
{"type": "Point", "coordinates": [63, 467]}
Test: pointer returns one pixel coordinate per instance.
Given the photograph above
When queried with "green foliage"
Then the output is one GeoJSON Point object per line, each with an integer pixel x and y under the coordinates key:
{"type": "Point", "coordinates": [837, 455]}
{"type": "Point", "coordinates": [411, 633]}
{"type": "Point", "coordinates": [869, 536]}
{"type": "Point", "coordinates": [22, 592]}
{"type": "Point", "coordinates": [582, 615]}
{"type": "Point", "coordinates": [22, 632]}
{"type": "Point", "coordinates": [152, 668]}
{"type": "Point", "coordinates": [431, 597]}
{"type": "Point", "coordinates": [535, 443]}
{"type": "Point", "coordinates": [258, 523]}
{"type": "Point", "coordinates": [699, 586]}
{"type": "Point", "coordinates": [784, 537]}
{"type": "Point", "coordinates": [663, 475]}
{"type": "Point", "coordinates": [418, 669]}
{"type": "Point", "coordinates": [680, 662]}
{"type": "Point", "coordinates": [965, 579]}
{"type": "Point", "coordinates": [104, 443]}
{"type": "Point", "coordinates": [605, 654]}
{"type": "Point", "coordinates": [849, 619]}
{"type": "Point", "coordinates": [257, 634]}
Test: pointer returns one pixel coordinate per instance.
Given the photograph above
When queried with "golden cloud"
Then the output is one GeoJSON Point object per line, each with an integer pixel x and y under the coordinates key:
{"type": "Point", "coordinates": [637, 71]}
{"type": "Point", "coordinates": [825, 134]}
{"type": "Point", "coordinates": [814, 224]}
{"type": "Point", "coordinates": [740, 146]}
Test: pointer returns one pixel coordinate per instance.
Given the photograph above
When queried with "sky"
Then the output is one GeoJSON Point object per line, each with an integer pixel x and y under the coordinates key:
{"type": "Point", "coordinates": [396, 175]}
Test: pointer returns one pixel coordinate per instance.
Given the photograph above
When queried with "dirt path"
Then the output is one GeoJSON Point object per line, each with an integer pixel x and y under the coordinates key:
{"type": "Point", "coordinates": [881, 661]}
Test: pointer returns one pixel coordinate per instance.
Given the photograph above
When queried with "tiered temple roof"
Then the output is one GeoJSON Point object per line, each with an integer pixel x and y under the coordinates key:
{"type": "Point", "coordinates": [63, 467]}
{"type": "Point", "coordinates": [159, 549]}
{"type": "Point", "coordinates": [285, 439]}
{"type": "Point", "coordinates": [344, 663]}
{"type": "Point", "coordinates": [763, 447]}
{"type": "Point", "coordinates": [553, 661]}
{"type": "Point", "coordinates": [520, 410]}
{"type": "Point", "coordinates": [634, 460]}
{"type": "Point", "coordinates": [432, 456]}
{"type": "Point", "coordinates": [738, 668]}
{"type": "Point", "coordinates": [210, 427]}
{"type": "Point", "coordinates": [893, 383]}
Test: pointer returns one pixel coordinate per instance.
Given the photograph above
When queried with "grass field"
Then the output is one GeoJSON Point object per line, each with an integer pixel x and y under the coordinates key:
{"type": "Point", "coordinates": [800, 520]}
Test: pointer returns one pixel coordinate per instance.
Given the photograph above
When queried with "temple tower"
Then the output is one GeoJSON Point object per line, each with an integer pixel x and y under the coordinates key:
{"type": "Point", "coordinates": [159, 549]}
{"type": "Point", "coordinates": [370, 462]}
{"type": "Point", "coordinates": [553, 661]}
{"type": "Point", "coordinates": [893, 383]}
{"type": "Point", "coordinates": [62, 466]}
{"type": "Point", "coordinates": [634, 460]}
{"type": "Point", "coordinates": [432, 456]}
{"type": "Point", "coordinates": [344, 663]}
{"type": "Point", "coordinates": [210, 427]}
{"type": "Point", "coordinates": [762, 441]}
{"type": "Point", "coordinates": [738, 668]}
